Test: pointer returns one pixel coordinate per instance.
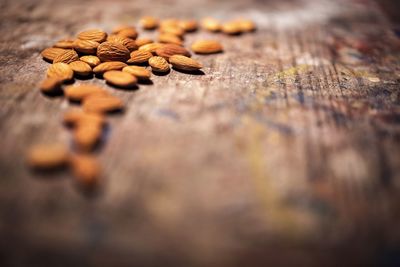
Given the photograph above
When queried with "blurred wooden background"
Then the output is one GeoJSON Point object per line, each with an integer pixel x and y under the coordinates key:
{"type": "Point", "coordinates": [285, 153]}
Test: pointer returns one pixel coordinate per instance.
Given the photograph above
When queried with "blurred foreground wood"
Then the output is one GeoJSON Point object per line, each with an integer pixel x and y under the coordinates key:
{"type": "Point", "coordinates": [285, 153]}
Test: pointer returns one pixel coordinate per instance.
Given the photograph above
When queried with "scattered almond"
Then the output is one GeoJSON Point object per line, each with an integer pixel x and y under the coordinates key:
{"type": "Point", "coordinates": [80, 68]}
{"type": "Point", "coordinates": [93, 61]}
{"type": "Point", "coordinates": [50, 85]}
{"type": "Point", "coordinates": [67, 56]}
{"type": "Point", "coordinates": [143, 41]}
{"type": "Point", "coordinates": [139, 72]}
{"type": "Point", "coordinates": [169, 39]}
{"type": "Point", "coordinates": [246, 25]}
{"type": "Point", "coordinates": [206, 47]}
{"type": "Point", "coordinates": [129, 43]}
{"type": "Point", "coordinates": [50, 156]}
{"type": "Point", "coordinates": [75, 118]}
{"type": "Point", "coordinates": [61, 71]}
{"type": "Point", "coordinates": [231, 28]}
{"type": "Point", "coordinates": [211, 24]}
{"type": "Point", "coordinates": [86, 170]}
{"type": "Point", "coordinates": [188, 25]}
{"type": "Point", "coordinates": [120, 79]}
{"type": "Point", "coordinates": [102, 104]}
{"type": "Point", "coordinates": [86, 46]}
{"type": "Point", "coordinates": [107, 66]}
{"type": "Point", "coordinates": [128, 32]}
{"type": "Point", "coordinates": [81, 91]}
{"type": "Point", "coordinates": [50, 53]}
{"type": "Point", "coordinates": [93, 35]}
{"type": "Point", "coordinates": [168, 50]}
{"type": "Point", "coordinates": [158, 64]}
{"type": "Point", "coordinates": [87, 136]}
{"type": "Point", "coordinates": [184, 63]}
{"type": "Point", "coordinates": [152, 47]}
{"type": "Point", "coordinates": [149, 23]}
{"type": "Point", "coordinates": [139, 57]}
{"type": "Point", "coordinates": [173, 30]}
{"type": "Point", "coordinates": [110, 51]}
{"type": "Point", "coordinates": [65, 43]}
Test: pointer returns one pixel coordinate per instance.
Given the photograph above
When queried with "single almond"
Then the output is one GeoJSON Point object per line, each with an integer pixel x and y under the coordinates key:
{"type": "Point", "coordinates": [139, 72]}
{"type": "Point", "coordinates": [129, 43]}
{"type": "Point", "coordinates": [107, 66]}
{"type": "Point", "coordinates": [50, 53]}
{"type": "Point", "coordinates": [206, 47]}
{"type": "Point", "coordinates": [211, 24]}
{"type": "Point", "coordinates": [93, 61]}
{"type": "Point", "coordinates": [184, 63]}
{"type": "Point", "coordinates": [74, 118]}
{"type": "Point", "coordinates": [61, 71]}
{"type": "Point", "coordinates": [110, 51]}
{"type": "Point", "coordinates": [80, 68]}
{"type": "Point", "coordinates": [86, 137]}
{"type": "Point", "coordinates": [128, 32]}
{"type": "Point", "coordinates": [168, 50]}
{"type": "Point", "coordinates": [121, 28]}
{"type": "Point", "coordinates": [158, 64]}
{"type": "Point", "coordinates": [246, 25]}
{"type": "Point", "coordinates": [139, 57]}
{"type": "Point", "coordinates": [47, 156]}
{"type": "Point", "coordinates": [93, 35]}
{"type": "Point", "coordinates": [169, 38]}
{"type": "Point", "coordinates": [67, 56]}
{"type": "Point", "coordinates": [82, 91]}
{"type": "Point", "coordinates": [149, 23]}
{"type": "Point", "coordinates": [231, 27]}
{"type": "Point", "coordinates": [143, 41]}
{"type": "Point", "coordinates": [50, 85]}
{"type": "Point", "coordinates": [65, 43]}
{"type": "Point", "coordinates": [152, 47]}
{"type": "Point", "coordinates": [175, 30]}
{"type": "Point", "coordinates": [86, 169]}
{"type": "Point", "coordinates": [86, 46]}
{"type": "Point", "coordinates": [120, 79]}
{"type": "Point", "coordinates": [170, 22]}
{"type": "Point", "coordinates": [102, 104]}
{"type": "Point", "coordinates": [188, 25]}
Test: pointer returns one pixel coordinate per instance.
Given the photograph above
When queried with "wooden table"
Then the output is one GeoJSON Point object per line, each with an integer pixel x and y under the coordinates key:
{"type": "Point", "coordinates": [284, 153]}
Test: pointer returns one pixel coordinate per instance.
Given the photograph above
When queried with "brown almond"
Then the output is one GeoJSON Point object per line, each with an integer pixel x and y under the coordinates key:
{"type": "Point", "coordinates": [122, 27]}
{"type": "Point", "coordinates": [50, 85]}
{"type": "Point", "coordinates": [171, 22]}
{"type": "Point", "coordinates": [47, 156]}
{"type": "Point", "coordinates": [169, 38]}
{"type": "Point", "coordinates": [61, 71]}
{"type": "Point", "coordinates": [188, 25]}
{"type": "Point", "coordinates": [102, 104]}
{"type": "Point", "coordinates": [50, 53]}
{"type": "Point", "coordinates": [93, 61]}
{"type": "Point", "coordinates": [139, 57]}
{"type": "Point", "coordinates": [173, 30]}
{"type": "Point", "coordinates": [107, 66]}
{"type": "Point", "coordinates": [93, 35]}
{"type": "Point", "coordinates": [139, 72]}
{"type": "Point", "coordinates": [143, 41]}
{"type": "Point", "coordinates": [206, 47]}
{"type": "Point", "coordinates": [86, 169]}
{"type": "Point", "coordinates": [184, 63]}
{"type": "Point", "coordinates": [128, 32]}
{"type": "Point", "coordinates": [110, 51]}
{"type": "Point", "coordinates": [82, 91]}
{"type": "Point", "coordinates": [149, 23]}
{"type": "Point", "coordinates": [150, 47]}
{"type": "Point", "coordinates": [158, 64]}
{"type": "Point", "coordinates": [120, 79]}
{"type": "Point", "coordinates": [67, 56]}
{"type": "Point", "coordinates": [86, 46]}
{"type": "Point", "coordinates": [73, 118]}
{"type": "Point", "coordinates": [246, 25]}
{"type": "Point", "coordinates": [169, 50]}
{"type": "Point", "coordinates": [86, 137]}
{"type": "Point", "coordinates": [231, 27]}
{"type": "Point", "coordinates": [129, 43]}
{"type": "Point", "coordinates": [211, 24]}
{"type": "Point", "coordinates": [80, 68]}
{"type": "Point", "coordinates": [65, 43]}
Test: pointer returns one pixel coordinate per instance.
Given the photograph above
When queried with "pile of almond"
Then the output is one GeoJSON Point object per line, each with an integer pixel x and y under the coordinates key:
{"type": "Point", "coordinates": [122, 60]}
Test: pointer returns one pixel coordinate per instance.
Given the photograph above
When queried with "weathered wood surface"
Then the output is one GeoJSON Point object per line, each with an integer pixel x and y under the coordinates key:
{"type": "Point", "coordinates": [286, 152]}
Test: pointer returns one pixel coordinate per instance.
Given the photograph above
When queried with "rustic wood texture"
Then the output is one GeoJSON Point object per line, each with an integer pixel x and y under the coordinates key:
{"type": "Point", "coordinates": [285, 152]}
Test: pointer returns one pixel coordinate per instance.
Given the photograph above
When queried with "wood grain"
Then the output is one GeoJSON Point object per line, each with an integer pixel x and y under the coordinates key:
{"type": "Point", "coordinates": [285, 152]}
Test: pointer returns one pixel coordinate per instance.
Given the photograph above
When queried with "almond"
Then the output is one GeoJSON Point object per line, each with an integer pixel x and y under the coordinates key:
{"type": "Point", "coordinates": [93, 61]}
{"type": "Point", "coordinates": [102, 104]}
{"type": "Point", "coordinates": [122, 27]}
{"type": "Point", "coordinates": [107, 66]}
{"type": "Point", "coordinates": [86, 137]}
{"type": "Point", "coordinates": [158, 64]}
{"type": "Point", "coordinates": [61, 71]}
{"type": "Point", "coordinates": [81, 91]}
{"type": "Point", "coordinates": [47, 156]}
{"type": "Point", "coordinates": [169, 50]}
{"type": "Point", "coordinates": [188, 25]}
{"type": "Point", "coordinates": [80, 68]}
{"type": "Point", "coordinates": [128, 32]}
{"type": "Point", "coordinates": [143, 41]}
{"type": "Point", "coordinates": [175, 30]}
{"type": "Point", "coordinates": [184, 63]}
{"type": "Point", "coordinates": [86, 170]}
{"type": "Point", "coordinates": [246, 25]}
{"type": "Point", "coordinates": [231, 28]}
{"type": "Point", "coordinates": [139, 57]}
{"type": "Point", "coordinates": [50, 53]}
{"type": "Point", "coordinates": [120, 79]}
{"type": "Point", "coordinates": [171, 22]}
{"type": "Point", "coordinates": [149, 23]}
{"type": "Point", "coordinates": [150, 47]}
{"type": "Point", "coordinates": [74, 118]}
{"type": "Point", "coordinates": [169, 39]}
{"type": "Point", "coordinates": [211, 24]}
{"type": "Point", "coordinates": [67, 56]}
{"type": "Point", "coordinates": [86, 46]}
{"type": "Point", "coordinates": [65, 43]}
{"type": "Point", "coordinates": [93, 35]}
{"type": "Point", "coordinates": [50, 85]}
{"type": "Point", "coordinates": [110, 51]}
{"type": "Point", "coordinates": [129, 43]}
{"type": "Point", "coordinates": [206, 47]}
{"type": "Point", "coordinates": [139, 72]}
